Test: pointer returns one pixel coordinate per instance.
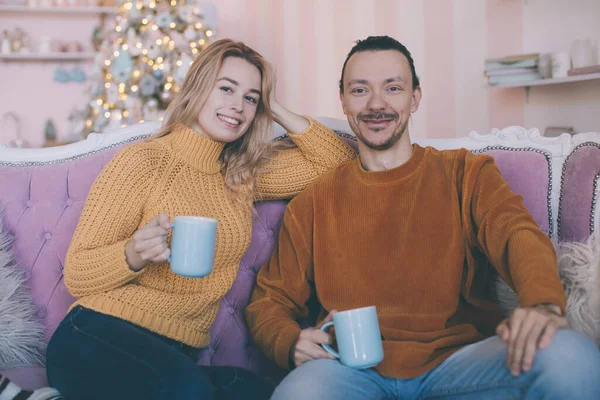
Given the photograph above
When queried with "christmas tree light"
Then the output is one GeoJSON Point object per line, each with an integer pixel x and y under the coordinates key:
{"type": "Point", "coordinates": [143, 59]}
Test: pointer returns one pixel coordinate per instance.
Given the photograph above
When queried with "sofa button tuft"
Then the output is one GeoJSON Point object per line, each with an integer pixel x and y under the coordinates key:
{"type": "Point", "coordinates": [29, 203]}
{"type": "Point", "coordinates": [47, 236]}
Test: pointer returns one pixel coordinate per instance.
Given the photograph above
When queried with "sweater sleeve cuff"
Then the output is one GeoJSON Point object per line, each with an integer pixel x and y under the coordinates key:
{"type": "Point", "coordinates": [92, 274]}
{"type": "Point", "coordinates": [559, 300]}
{"type": "Point", "coordinates": [123, 265]}
{"type": "Point", "coordinates": [286, 340]}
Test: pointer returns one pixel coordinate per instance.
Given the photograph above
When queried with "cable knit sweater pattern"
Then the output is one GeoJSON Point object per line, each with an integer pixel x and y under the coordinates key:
{"type": "Point", "coordinates": [178, 174]}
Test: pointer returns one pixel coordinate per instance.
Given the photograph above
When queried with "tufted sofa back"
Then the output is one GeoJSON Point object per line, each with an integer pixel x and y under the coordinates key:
{"type": "Point", "coordinates": [43, 195]}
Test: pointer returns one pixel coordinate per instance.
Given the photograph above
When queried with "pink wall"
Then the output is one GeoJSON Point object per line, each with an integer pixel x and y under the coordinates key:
{"type": "Point", "coordinates": [550, 26]}
{"type": "Point", "coordinates": [505, 36]}
{"type": "Point", "coordinates": [28, 88]}
{"type": "Point", "coordinates": [309, 39]}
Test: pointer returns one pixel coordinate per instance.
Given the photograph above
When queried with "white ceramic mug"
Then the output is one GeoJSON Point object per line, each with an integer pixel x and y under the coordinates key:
{"type": "Point", "coordinates": [561, 64]}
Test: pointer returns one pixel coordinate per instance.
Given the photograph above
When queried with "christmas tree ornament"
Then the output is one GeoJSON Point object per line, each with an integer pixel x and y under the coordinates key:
{"type": "Point", "coordinates": [164, 20]}
{"type": "Point", "coordinates": [122, 66]}
{"type": "Point", "coordinates": [165, 97]}
{"type": "Point", "coordinates": [158, 75]}
{"type": "Point", "coordinates": [154, 47]}
{"type": "Point", "coordinates": [148, 85]}
{"type": "Point", "coordinates": [132, 43]}
{"type": "Point", "coordinates": [186, 13]}
{"type": "Point", "coordinates": [190, 33]}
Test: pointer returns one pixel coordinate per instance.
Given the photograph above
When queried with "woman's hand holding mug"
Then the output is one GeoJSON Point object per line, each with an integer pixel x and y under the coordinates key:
{"type": "Point", "coordinates": [149, 243]}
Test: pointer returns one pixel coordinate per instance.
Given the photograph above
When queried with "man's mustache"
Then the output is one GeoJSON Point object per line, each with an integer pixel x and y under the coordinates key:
{"type": "Point", "coordinates": [376, 116]}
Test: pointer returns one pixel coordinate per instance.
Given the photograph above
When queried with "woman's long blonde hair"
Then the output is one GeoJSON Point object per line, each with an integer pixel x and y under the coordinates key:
{"type": "Point", "coordinates": [244, 158]}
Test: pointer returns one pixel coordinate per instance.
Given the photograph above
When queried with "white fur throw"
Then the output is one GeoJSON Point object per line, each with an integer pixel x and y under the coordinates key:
{"type": "Point", "coordinates": [21, 331]}
{"type": "Point", "coordinates": [579, 270]}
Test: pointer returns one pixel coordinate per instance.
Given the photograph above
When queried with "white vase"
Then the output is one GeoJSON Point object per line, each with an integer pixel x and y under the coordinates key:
{"type": "Point", "coordinates": [583, 53]}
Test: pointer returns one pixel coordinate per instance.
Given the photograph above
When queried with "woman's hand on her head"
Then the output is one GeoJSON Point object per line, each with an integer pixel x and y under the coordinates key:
{"type": "Point", "coordinates": [149, 243]}
{"type": "Point", "coordinates": [290, 121]}
{"type": "Point", "coordinates": [273, 95]}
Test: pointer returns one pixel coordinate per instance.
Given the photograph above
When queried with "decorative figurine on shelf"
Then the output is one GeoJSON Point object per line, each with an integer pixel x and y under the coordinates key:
{"type": "Point", "coordinates": [49, 134]}
{"type": "Point", "coordinates": [5, 47]}
{"type": "Point", "coordinates": [18, 141]}
{"type": "Point", "coordinates": [20, 41]}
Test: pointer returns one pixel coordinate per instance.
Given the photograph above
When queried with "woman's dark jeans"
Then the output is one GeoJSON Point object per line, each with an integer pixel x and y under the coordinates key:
{"type": "Point", "coordinates": [96, 356]}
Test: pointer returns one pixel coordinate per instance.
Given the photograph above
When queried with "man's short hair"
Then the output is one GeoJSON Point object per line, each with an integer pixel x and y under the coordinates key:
{"type": "Point", "coordinates": [375, 43]}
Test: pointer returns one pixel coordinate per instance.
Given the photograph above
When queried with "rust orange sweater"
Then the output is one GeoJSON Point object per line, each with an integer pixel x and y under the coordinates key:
{"type": "Point", "coordinates": [414, 241]}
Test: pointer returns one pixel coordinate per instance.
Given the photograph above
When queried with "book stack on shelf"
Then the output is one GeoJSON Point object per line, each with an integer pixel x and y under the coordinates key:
{"type": "Point", "coordinates": [513, 69]}
{"type": "Point", "coordinates": [593, 69]}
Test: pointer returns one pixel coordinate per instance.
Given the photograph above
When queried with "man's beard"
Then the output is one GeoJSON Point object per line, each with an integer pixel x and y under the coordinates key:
{"type": "Point", "coordinates": [396, 135]}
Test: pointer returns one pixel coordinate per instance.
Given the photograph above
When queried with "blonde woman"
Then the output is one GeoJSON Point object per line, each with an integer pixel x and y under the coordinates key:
{"type": "Point", "coordinates": [135, 329]}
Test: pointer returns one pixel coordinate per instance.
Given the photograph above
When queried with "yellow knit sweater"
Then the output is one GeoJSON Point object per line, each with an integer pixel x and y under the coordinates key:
{"type": "Point", "coordinates": [178, 174]}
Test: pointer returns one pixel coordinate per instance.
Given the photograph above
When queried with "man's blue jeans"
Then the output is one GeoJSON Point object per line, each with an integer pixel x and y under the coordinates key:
{"type": "Point", "coordinates": [569, 369]}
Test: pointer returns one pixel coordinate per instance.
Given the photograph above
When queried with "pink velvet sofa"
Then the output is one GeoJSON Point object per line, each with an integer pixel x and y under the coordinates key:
{"type": "Point", "coordinates": [43, 192]}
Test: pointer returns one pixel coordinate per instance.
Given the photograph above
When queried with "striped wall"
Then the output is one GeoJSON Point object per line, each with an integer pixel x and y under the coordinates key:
{"type": "Point", "coordinates": [309, 39]}
{"type": "Point", "coordinates": [449, 39]}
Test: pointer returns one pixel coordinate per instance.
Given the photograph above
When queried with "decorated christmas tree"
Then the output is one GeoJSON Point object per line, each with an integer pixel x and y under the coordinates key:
{"type": "Point", "coordinates": [142, 59]}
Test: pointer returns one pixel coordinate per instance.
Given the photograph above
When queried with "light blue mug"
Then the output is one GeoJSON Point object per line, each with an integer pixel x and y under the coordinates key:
{"type": "Point", "coordinates": [193, 246]}
{"type": "Point", "coordinates": [358, 337]}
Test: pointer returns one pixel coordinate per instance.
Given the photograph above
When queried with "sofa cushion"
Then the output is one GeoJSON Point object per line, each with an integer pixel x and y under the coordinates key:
{"type": "Point", "coordinates": [578, 197]}
{"type": "Point", "coordinates": [42, 207]}
{"type": "Point", "coordinates": [522, 166]}
{"type": "Point", "coordinates": [42, 203]}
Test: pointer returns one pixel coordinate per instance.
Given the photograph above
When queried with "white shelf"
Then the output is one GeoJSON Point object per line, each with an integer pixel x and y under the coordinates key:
{"type": "Point", "coordinates": [58, 9]}
{"type": "Point", "coordinates": [550, 81]}
{"type": "Point", "coordinates": [47, 57]}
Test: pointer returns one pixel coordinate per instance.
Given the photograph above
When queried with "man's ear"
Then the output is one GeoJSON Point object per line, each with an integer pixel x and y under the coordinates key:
{"type": "Point", "coordinates": [342, 101]}
{"type": "Point", "coordinates": [416, 99]}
